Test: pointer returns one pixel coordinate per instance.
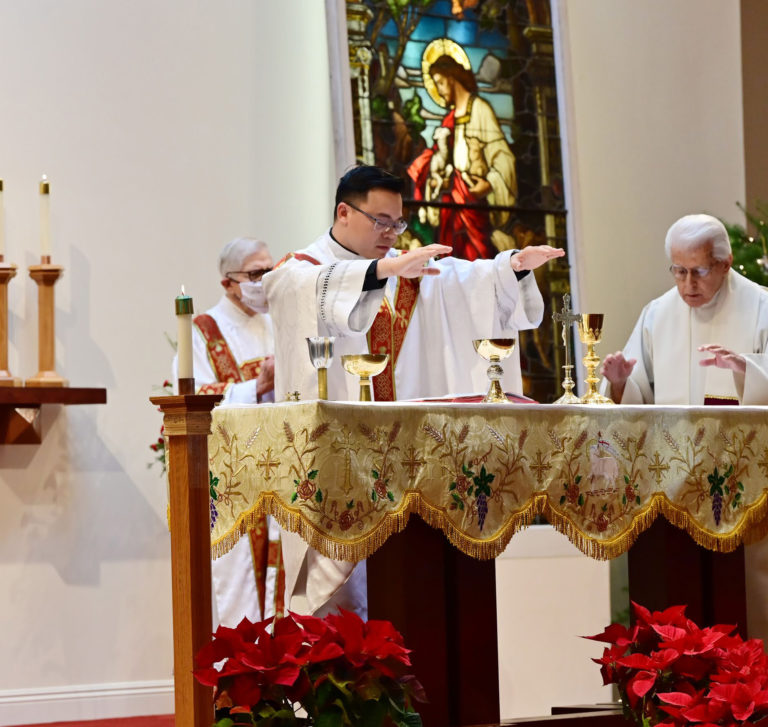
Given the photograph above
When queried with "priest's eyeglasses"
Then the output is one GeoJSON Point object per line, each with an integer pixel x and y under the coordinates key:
{"type": "Point", "coordinates": [253, 275]}
{"type": "Point", "coordinates": [379, 225]}
{"type": "Point", "coordinates": [681, 273]}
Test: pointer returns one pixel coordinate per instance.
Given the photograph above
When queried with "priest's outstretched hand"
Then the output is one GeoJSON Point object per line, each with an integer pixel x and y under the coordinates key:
{"type": "Point", "coordinates": [533, 256]}
{"type": "Point", "coordinates": [723, 358]}
{"type": "Point", "coordinates": [412, 264]}
{"type": "Point", "coordinates": [617, 370]}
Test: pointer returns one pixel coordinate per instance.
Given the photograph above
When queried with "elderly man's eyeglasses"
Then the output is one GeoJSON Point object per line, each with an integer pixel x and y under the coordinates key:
{"type": "Point", "coordinates": [681, 273]}
{"type": "Point", "coordinates": [379, 225]}
{"type": "Point", "coordinates": [253, 275]}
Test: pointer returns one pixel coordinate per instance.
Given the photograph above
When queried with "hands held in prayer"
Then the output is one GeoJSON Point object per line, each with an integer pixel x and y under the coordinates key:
{"type": "Point", "coordinates": [412, 264]}
{"type": "Point", "coordinates": [533, 256]}
{"type": "Point", "coordinates": [266, 380]}
{"type": "Point", "coordinates": [617, 369]}
{"type": "Point", "coordinates": [723, 358]}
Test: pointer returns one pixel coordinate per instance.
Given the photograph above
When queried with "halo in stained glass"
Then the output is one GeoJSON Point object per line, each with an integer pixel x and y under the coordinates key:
{"type": "Point", "coordinates": [441, 47]}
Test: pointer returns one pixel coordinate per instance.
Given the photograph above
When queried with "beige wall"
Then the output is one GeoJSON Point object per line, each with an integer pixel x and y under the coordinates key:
{"type": "Point", "coordinates": [166, 129]}
{"type": "Point", "coordinates": [654, 130]}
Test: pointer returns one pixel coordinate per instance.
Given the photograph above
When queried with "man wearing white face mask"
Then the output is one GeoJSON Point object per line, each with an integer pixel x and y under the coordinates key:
{"type": "Point", "coordinates": [233, 347]}
{"type": "Point", "coordinates": [233, 343]}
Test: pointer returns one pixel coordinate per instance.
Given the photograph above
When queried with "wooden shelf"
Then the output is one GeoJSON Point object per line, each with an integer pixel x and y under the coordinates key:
{"type": "Point", "coordinates": [20, 408]}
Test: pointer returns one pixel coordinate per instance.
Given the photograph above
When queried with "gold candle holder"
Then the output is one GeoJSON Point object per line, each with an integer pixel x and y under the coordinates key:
{"type": "Point", "coordinates": [46, 275]}
{"type": "Point", "coordinates": [365, 365]}
{"type": "Point", "coordinates": [321, 355]}
{"type": "Point", "coordinates": [7, 272]}
{"type": "Point", "coordinates": [590, 333]}
{"type": "Point", "coordinates": [494, 350]}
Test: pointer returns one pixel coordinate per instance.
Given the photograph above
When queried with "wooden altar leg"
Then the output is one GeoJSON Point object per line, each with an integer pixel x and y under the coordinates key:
{"type": "Point", "coordinates": [187, 422]}
{"type": "Point", "coordinates": [667, 568]}
{"type": "Point", "coordinates": [444, 604]}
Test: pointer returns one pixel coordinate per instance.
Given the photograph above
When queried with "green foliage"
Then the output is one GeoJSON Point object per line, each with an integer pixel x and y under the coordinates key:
{"type": "Point", "coordinates": [750, 252]}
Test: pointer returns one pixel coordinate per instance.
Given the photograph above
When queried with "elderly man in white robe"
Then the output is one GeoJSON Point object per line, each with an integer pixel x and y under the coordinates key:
{"type": "Point", "coordinates": [352, 284]}
{"type": "Point", "coordinates": [702, 342]}
{"type": "Point", "coordinates": [233, 348]}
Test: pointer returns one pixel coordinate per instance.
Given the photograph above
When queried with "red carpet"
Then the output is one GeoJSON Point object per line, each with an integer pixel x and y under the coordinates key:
{"type": "Point", "coordinates": [165, 720]}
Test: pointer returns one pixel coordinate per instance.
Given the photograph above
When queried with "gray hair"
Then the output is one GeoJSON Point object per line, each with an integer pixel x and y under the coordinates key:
{"type": "Point", "coordinates": [693, 231]}
{"type": "Point", "coordinates": [236, 251]}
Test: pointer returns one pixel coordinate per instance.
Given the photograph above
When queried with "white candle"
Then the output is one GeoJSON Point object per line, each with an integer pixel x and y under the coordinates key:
{"type": "Point", "coordinates": [184, 311]}
{"type": "Point", "coordinates": [45, 216]}
{"type": "Point", "coordinates": [2, 222]}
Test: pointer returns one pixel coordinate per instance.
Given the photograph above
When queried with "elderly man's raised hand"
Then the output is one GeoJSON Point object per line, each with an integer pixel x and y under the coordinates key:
{"type": "Point", "coordinates": [723, 358]}
{"type": "Point", "coordinates": [533, 256]}
{"type": "Point", "coordinates": [412, 264]}
{"type": "Point", "coordinates": [617, 369]}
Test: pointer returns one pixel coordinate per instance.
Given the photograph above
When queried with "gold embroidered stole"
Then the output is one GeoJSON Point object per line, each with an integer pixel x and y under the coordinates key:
{"type": "Point", "coordinates": [221, 359]}
{"type": "Point", "coordinates": [387, 334]}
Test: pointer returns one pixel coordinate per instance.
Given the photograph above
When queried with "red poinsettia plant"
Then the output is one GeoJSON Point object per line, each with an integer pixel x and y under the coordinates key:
{"type": "Point", "coordinates": [671, 672]}
{"type": "Point", "coordinates": [336, 671]}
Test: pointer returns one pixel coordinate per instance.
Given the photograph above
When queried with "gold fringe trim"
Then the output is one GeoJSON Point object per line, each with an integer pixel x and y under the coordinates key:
{"type": "Point", "coordinates": [752, 527]}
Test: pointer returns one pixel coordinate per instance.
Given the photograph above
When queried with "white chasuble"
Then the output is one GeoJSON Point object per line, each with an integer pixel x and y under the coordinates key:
{"type": "Point", "coordinates": [668, 333]}
{"type": "Point", "coordinates": [318, 292]}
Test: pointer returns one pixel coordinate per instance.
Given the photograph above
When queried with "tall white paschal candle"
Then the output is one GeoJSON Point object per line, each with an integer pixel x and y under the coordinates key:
{"type": "Point", "coordinates": [45, 217]}
{"type": "Point", "coordinates": [184, 311]}
{"type": "Point", "coordinates": [2, 222]}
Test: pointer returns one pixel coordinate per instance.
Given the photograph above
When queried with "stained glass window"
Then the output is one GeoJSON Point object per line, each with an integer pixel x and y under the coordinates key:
{"type": "Point", "coordinates": [459, 98]}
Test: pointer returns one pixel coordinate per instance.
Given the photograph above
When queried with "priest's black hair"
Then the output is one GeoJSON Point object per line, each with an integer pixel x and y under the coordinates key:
{"type": "Point", "coordinates": [358, 181]}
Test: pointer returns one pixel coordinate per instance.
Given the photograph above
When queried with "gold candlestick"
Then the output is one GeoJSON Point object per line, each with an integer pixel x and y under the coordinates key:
{"type": "Point", "coordinates": [590, 333]}
{"type": "Point", "coordinates": [7, 271]}
{"type": "Point", "coordinates": [46, 275]}
{"type": "Point", "coordinates": [365, 365]}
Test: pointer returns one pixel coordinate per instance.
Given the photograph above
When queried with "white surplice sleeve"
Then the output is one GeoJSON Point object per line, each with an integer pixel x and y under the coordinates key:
{"type": "Point", "coordinates": [639, 386]}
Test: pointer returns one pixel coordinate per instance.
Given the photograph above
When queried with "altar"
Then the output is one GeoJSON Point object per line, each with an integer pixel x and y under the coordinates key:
{"type": "Point", "coordinates": [347, 477]}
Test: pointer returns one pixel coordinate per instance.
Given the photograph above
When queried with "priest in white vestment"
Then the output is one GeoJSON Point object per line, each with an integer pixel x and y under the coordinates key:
{"type": "Point", "coordinates": [233, 348]}
{"type": "Point", "coordinates": [703, 341]}
{"type": "Point", "coordinates": [351, 284]}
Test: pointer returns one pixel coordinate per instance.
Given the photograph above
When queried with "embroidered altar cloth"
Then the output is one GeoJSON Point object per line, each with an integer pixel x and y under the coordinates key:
{"type": "Point", "coordinates": [347, 475]}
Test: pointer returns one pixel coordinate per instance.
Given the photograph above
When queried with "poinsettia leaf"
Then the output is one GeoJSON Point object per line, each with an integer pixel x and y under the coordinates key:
{"type": "Point", "coordinates": [332, 717]}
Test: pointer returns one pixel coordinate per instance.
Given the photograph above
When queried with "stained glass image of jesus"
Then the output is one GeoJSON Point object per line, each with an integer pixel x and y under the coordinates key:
{"type": "Point", "coordinates": [470, 161]}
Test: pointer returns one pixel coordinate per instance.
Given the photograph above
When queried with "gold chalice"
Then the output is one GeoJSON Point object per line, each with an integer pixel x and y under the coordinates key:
{"type": "Point", "coordinates": [590, 333]}
{"type": "Point", "coordinates": [494, 350]}
{"type": "Point", "coordinates": [321, 355]}
{"type": "Point", "coordinates": [365, 365]}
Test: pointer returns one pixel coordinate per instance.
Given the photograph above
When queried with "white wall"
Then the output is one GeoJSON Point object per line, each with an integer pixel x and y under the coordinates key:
{"type": "Point", "coordinates": [654, 127]}
{"type": "Point", "coordinates": [167, 127]}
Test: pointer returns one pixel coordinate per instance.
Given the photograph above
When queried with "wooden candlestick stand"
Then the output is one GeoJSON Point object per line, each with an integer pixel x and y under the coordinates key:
{"type": "Point", "coordinates": [46, 275]}
{"type": "Point", "coordinates": [7, 271]}
{"type": "Point", "coordinates": [187, 422]}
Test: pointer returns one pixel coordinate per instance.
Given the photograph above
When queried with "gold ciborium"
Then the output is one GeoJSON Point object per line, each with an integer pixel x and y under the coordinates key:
{"type": "Point", "coordinates": [365, 365]}
{"type": "Point", "coordinates": [590, 333]}
{"type": "Point", "coordinates": [494, 350]}
{"type": "Point", "coordinates": [321, 355]}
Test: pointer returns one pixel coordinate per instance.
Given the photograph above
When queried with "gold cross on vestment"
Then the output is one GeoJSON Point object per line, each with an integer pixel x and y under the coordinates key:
{"type": "Point", "coordinates": [267, 463]}
{"type": "Point", "coordinates": [657, 467]}
{"type": "Point", "coordinates": [412, 461]}
{"type": "Point", "coordinates": [540, 466]}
